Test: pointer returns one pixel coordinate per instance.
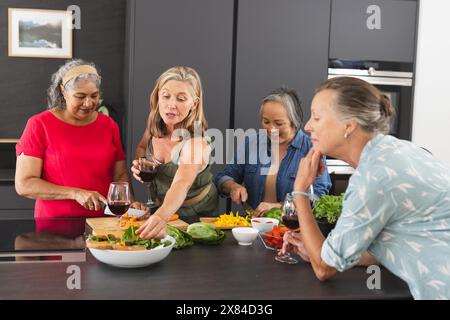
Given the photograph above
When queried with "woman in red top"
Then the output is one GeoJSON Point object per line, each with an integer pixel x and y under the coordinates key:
{"type": "Point", "coordinates": [68, 155]}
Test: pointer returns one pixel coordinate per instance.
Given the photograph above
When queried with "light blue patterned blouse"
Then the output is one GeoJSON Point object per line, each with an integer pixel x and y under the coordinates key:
{"type": "Point", "coordinates": [397, 206]}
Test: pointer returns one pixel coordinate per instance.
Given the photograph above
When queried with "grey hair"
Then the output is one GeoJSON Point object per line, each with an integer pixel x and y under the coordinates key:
{"type": "Point", "coordinates": [55, 97]}
{"type": "Point", "coordinates": [360, 100]}
{"type": "Point", "coordinates": [290, 101]}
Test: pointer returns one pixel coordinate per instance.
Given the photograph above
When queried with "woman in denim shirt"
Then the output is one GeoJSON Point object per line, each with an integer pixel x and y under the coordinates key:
{"type": "Point", "coordinates": [260, 178]}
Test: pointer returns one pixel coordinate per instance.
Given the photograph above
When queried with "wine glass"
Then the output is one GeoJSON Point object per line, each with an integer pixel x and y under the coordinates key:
{"type": "Point", "coordinates": [119, 197]}
{"type": "Point", "coordinates": [290, 219]}
{"type": "Point", "coordinates": [147, 168]}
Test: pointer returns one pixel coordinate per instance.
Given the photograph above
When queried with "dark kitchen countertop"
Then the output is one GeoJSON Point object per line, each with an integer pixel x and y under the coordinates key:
{"type": "Point", "coordinates": [226, 271]}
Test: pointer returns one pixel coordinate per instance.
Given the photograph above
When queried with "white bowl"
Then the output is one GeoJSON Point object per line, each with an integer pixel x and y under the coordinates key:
{"type": "Point", "coordinates": [245, 235]}
{"type": "Point", "coordinates": [264, 224]}
{"type": "Point", "coordinates": [133, 259]}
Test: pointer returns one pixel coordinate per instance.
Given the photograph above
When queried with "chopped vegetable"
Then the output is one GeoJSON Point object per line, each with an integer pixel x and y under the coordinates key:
{"type": "Point", "coordinates": [231, 220]}
{"type": "Point", "coordinates": [205, 233]}
{"type": "Point", "coordinates": [274, 238]}
{"type": "Point", "coordinates": [130, 238]}
{"type": "Point", "coordinates": [129, 241]}
{"type": "Point", "coordinates": [109, 238]}
{"type": "Point", "coordinates": [249, 216]}
{"type": "Point", "coordinates": [174, 217]}
{"type": "Point", "coordinates": [127, 221]}
{"type": "Point", "coordinates": [274, 213]}
{"type": "Point", "coordinates": [328, 207]}
{"type": "Point", "coordinates": [182, 239]}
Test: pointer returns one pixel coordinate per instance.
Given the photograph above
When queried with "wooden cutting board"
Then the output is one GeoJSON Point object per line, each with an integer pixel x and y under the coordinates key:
{"type": "Point", "coordinates": [110, 225]}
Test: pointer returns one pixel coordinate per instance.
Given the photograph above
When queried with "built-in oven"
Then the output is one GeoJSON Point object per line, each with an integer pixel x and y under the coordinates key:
{"type": "Point", "coordinates": [393, 79]}
{"type": "Point", "coordinates": [396, 81]}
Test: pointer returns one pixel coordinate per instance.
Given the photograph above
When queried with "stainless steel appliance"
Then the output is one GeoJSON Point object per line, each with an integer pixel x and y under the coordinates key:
{"type": "Point", "coordinates": [393, 79]}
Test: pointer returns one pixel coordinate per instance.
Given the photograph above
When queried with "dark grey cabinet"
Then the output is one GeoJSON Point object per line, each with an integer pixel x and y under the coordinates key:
{"type": "Point", "coordinates": [166, 33]}
{"type": "Point", "coordinates": [24, 81]}
{"type": "Point", "coordinates": [381, 30]}
{"type": "Point", "coordinates": [13, 205]}
{"type": "Point", "coordinates": [279, 43]}
{"type": "Point", "coordinates": [244, 49]}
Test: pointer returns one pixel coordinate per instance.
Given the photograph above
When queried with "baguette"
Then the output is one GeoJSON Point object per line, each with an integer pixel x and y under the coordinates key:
{"type": "Point", "coordinates": [101, 245]}
{"type": "Point", "coordinates": [128, 248]}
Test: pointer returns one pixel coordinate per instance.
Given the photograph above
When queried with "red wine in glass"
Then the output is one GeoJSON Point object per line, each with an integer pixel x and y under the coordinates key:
{"type": "Point", "coordinates": [147, 175]}
{"type": "Point", "coordinates": [291, 221]}
{"type": "Point", "coordinates": [119, 197]}
{"type": "Point", "coordinates": [119, 207]}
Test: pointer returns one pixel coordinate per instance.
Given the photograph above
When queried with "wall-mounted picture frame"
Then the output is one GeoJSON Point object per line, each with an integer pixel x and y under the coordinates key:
{"type": "Point", "coordinates": [39, 33]}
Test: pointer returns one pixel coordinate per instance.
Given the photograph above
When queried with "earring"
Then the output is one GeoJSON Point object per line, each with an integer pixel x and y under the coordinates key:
{"type": "Point", "coordinates": [346, 135]}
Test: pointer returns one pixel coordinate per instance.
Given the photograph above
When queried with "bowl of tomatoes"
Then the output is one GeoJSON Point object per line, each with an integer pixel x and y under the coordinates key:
{"type": "Point", "coordinates": [273, 240]}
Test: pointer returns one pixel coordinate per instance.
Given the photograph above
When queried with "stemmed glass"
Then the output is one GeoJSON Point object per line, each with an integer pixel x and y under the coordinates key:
{"type": "Point", "coordinates": [119, 197]}
{"type": "Point", "coordinates": [289, 219]}
{"type": "Point", "coordinates": [147, 168]}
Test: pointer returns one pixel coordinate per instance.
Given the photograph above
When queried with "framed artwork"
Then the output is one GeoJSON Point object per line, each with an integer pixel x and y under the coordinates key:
{"type": "Point", "coordinates": [39, 33]}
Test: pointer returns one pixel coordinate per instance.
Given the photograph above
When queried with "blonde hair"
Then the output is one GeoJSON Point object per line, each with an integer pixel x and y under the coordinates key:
{"type": "Point", "coordinates": [360, 100]}
{"type": "Point", "coordinates": [157, 127]}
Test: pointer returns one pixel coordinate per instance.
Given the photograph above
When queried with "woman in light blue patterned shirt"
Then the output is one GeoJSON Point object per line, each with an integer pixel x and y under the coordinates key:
{"type": "Point", "coordinates": [396, 208]}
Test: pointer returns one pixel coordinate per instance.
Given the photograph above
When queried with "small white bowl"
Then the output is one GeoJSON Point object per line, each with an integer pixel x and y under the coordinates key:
{"type": "Point", "coordinates": [264, 224]}
{"type": "Point", "coordinates": [245, 235]}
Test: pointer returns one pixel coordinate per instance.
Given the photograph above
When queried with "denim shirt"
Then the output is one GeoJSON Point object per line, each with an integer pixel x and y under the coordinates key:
{"type": "Point", "coordinates": [250, 168]}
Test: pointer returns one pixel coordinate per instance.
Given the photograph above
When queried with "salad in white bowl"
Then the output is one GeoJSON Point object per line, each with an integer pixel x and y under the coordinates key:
{"type": "Point", "coordinates": [130, 251]}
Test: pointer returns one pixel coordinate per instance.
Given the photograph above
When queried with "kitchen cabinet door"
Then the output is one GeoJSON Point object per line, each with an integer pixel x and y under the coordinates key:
{"type": "Point", "coordinates": [380, 30]}
{"type": "Point", "coordinates": [279, 43]}
{"type": "Point", "coordinates": [166, 33]}
{"type": "Point", "coordinates": [13, 205]}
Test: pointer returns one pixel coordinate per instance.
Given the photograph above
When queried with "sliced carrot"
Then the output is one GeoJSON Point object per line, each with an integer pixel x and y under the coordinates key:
{"type": "Point", "coordinates": [174, 217]}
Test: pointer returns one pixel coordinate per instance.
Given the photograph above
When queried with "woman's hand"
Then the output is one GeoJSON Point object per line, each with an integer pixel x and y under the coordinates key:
{"type": "Point", "coordinates": [90, 200]}
{"type": "Point", "coordinates": [310, 167]}
{"type": "Point", "coordinates": [138, 164]}
{"type": "Point", "coordinates": [154, 227]}
{"type": "Point", "coordinates": [135, 170]}
{"type": "Point", "coordinates": [294, 240]}
{"type": "Point", "coordinates": [238, 193]}
{"type": "Point", "coordinates": [264, 207]}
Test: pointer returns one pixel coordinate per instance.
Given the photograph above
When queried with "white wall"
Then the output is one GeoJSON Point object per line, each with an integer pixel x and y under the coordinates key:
{"type": "Point", "coordinates": [431, 121]}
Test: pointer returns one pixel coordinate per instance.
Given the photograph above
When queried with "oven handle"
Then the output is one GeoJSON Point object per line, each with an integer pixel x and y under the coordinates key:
{"type": "Point", "coordinates": [385, 81]}
{"type": "Point", "coordinates": [370, 72]}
